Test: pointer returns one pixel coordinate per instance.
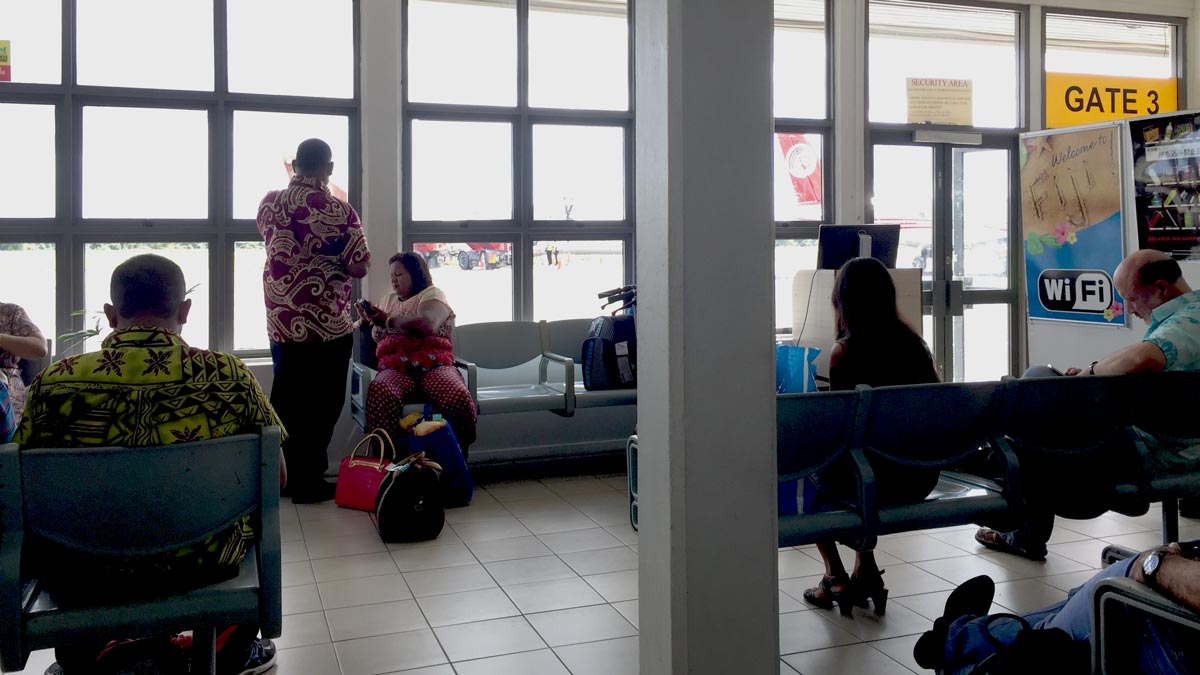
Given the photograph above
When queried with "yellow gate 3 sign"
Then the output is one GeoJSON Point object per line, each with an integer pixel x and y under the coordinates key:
{"type": "Point", "coordinates": [1082, 99]}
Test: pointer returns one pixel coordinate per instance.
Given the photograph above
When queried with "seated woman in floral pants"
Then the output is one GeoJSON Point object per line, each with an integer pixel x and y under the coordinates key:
{"type": "Point", "coordinates": [412, 328]}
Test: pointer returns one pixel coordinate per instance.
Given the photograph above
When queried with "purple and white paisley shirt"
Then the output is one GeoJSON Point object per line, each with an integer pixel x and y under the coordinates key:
{"type": "Point", "coordinates": [314, 240]}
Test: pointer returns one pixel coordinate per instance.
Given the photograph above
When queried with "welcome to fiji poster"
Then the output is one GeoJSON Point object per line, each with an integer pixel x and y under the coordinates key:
{"type": "Point", "coordinates": [1071, 225]}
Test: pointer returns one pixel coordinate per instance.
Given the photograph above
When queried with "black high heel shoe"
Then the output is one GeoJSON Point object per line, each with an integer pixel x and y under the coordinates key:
{"type": "Point", "coordinates": [828, 597]}
{"type": "Point", "coordinates": [870, 588]}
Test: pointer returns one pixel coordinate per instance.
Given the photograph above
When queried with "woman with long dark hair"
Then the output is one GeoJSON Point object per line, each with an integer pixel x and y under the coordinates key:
{"type": "Point", "coordinates": [413, 328]}
{"type": "Point", "coordinates": [875, 347]}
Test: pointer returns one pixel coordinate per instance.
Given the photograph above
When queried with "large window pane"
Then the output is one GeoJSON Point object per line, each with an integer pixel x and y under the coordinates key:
{"type": "Point", "coordinates": [477, 278]}
{"type": "Point", "coordinates": [99, 261]}
{"type": "Point", "coordinates": [903, 194]}
{"type": "Point", "coordinates": [578, 173]}
{"type": "Point", "coordinates": [145, 163]}
{"type": "Point", "coordinates": [981, 334]}
{"type": "Point", "coordinates": [579, 54]}
{"type": "Point", "coordinates": [462, 52]}
{"type": "Point", "coordinates": [34, 31]}
{"type": "Point", "coordinates": [567, 275]}
{"type": "Point", "coordinates": [27, 146]}
{"type": "Point", "coordinates": [799, 64]}
{"type": "Point", "coordinates": [979, 220]}
{"type": "Point", "coordinates": [145, 43]}
{"type": "Point", "coordinates": [249, 308]}
{"type": "Point", "coordinates": [1103, 46]}
{"type": "Point", "coordinates": [461, 170]}
{"type": "Point", "coordinates": [791, 256]}
{"type": "Point", "coordinates": [926, 40]}
{"type": "Point", "coordinates": [292, 47]}
{"type": "Point", "coordinates": [27, 275]}
{"type": "Point", "coordinates": [264, 145]}
{"type": "Point", "coordinates": [798, 177]}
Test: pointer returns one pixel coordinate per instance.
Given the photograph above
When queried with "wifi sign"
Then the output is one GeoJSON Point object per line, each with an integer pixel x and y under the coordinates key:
{"type": "Point", "coordinates": [1082, 291]}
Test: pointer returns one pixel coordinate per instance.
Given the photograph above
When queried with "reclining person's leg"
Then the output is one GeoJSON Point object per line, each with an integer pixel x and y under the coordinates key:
{"type": "Point", "coordinates": [967, 641]}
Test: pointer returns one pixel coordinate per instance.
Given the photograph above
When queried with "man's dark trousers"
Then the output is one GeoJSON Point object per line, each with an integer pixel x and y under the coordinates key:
{"type": "Point", "coordinates": [308, 393]}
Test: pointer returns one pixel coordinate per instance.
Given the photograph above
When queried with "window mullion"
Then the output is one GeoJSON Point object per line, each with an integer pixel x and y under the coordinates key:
{"type": "Point", "coordinates": [522, 174]}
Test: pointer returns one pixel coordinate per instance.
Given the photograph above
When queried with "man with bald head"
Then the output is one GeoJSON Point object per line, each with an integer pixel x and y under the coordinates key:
{"type": "Point", "coordinates": [1152, 284]}
{"type": "Point", "coordinates": [146, 387]}
{"type": "Point", "coordinates": [1155, 292]}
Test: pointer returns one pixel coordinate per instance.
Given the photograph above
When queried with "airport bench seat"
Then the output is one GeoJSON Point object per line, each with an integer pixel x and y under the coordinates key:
{"type": "Point", "coordinates": [152, 507]}
{"type": "Point", "coordinates": [1115, 602]}
{"type": "Point", "coordinates": [482, 346]}
{"type": "Point", "coordinates": [563, 339]}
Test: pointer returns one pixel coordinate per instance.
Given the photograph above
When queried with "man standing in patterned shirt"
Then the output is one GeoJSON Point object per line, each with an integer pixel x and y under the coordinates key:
{"type": "Point", "coordinates": [315, 246]}
{"type": "Point", "coordinates": [1155, 291]}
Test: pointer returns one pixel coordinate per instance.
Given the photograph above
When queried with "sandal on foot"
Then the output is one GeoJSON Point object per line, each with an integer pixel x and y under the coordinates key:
{"type": "Point", "coordinates": [824, 597]}
{"type": "Point", "coordinates": [995, 540]}
{"type": "Point", "coordinates": [870, 588]}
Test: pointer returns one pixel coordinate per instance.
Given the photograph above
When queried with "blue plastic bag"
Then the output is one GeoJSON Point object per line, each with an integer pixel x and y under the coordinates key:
{"type": "Point", "coordinates": [795, 372]}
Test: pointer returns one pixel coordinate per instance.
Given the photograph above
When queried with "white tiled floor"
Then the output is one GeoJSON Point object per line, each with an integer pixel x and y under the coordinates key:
{"type": "Point", "coordinates": [540, 577]}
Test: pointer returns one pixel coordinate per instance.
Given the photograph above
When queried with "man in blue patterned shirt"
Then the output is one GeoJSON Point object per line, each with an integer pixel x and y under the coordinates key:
{"type": "Point", "coordinates": [1155, 291]}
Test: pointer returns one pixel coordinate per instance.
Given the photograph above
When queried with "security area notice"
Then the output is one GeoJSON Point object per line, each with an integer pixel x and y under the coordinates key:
{"type": "Point", "coordinates": [1071, 224]}
{"type": "Point", "coordinates": [939, 100]}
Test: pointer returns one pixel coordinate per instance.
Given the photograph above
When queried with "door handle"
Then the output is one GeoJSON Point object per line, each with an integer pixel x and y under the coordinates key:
{"type": "Point", "coordinates": [941, 298]}
{"type": "Point", "coordinates": [954, 298]}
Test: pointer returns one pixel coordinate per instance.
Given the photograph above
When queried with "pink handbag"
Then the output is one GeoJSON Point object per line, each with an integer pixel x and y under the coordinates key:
{"type": "Point", "coordinates": [360, 476]}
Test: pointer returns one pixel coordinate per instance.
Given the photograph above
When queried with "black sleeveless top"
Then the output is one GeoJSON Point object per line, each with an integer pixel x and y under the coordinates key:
{"type": "Point", "coordinates": [896, 357]}
{"type": "Point", "coordinates": [891, 357]}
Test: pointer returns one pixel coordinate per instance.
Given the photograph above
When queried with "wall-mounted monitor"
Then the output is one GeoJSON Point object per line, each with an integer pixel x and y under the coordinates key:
{"type": "Point", "coordinates": [838, 243]}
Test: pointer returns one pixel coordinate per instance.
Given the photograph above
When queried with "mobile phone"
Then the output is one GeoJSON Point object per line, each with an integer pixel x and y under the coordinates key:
{"type": "Point", "coordinates": [365, 305]}
{"type": "Point", "coordinates": [1190, 549]}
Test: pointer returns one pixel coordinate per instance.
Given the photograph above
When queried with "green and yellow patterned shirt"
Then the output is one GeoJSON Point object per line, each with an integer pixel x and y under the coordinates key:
{"type": "Point", "coordinates": [147, 387]}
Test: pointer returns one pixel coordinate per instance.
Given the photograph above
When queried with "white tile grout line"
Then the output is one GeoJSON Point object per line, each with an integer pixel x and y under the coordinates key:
{"type": "Point", "coordinates": [522, 614]}
{"type": "Point", "coordinates": [570, 499]}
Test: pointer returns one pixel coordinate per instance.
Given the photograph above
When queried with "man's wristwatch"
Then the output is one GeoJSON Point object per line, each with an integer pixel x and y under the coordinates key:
{"type": "Point", "coordinates": [1092, 368]}
{"type": "Point", "coordinates": [1151, 565]}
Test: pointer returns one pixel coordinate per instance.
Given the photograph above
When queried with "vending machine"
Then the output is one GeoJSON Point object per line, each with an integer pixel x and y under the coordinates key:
{"type": "Point", "coordinates": [1165, 174]}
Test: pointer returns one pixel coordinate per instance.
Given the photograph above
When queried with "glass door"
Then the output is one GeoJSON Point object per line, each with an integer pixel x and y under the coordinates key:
{"type": "Point", "coordinates": [954, 207]}
{"type": "Point", "coordinates": [979, 303]}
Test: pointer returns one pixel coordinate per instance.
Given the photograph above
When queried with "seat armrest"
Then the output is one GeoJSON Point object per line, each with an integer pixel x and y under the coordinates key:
{"type": "Point", "coordinates": [1142, 479]}
{"type": "Point", "coordinates": [472, 373]}
{"type": "Point", "coordinates": [1110, 598]}
{"type": "Point", "coordinates": [569, 378]}
{"type": "Point", "coordinates": [1011, 489]}
{"type": "Point", "coordinates": [12, 524]}
{"type": "Point", "coordinates": [868, 503]}
{"type": "Point", "coordinates": [364, 348]}
{"type": "Point", "coordinates": [364, 373]}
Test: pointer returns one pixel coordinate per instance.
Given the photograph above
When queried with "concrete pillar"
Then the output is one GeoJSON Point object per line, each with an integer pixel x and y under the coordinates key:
{"type": "Point", "coordinates": [706, 414]}
{"type": "Point", "coordinates": [380, 117]}
{"type": "Point", "coordinates": [849, 91]}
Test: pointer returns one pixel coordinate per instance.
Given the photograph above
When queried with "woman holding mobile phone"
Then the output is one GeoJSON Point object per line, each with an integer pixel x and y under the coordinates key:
{"type": "Point", "coordinates": [413, 328]}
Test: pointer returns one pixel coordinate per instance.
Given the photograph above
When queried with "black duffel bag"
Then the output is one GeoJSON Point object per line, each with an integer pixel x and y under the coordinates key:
{"type": "Point", "coordinates": [409, 504]}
